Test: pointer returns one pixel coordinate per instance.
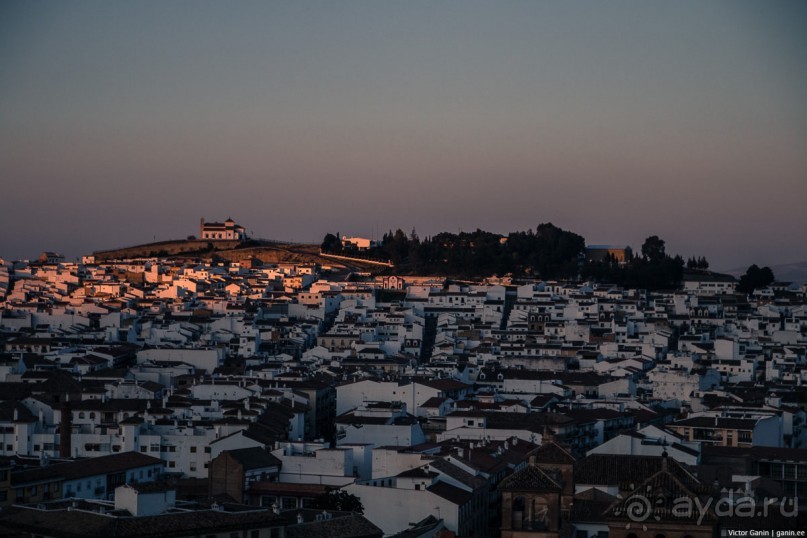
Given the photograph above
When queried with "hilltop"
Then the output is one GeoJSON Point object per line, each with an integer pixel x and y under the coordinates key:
{"type": "Point", "coordinates": [265, 250]}
{"type": "Point", "coordinates": [547, 252]}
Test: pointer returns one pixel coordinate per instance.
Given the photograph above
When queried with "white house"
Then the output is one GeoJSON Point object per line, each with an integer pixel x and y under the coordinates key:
{"type": "Point", "coordinates": [379, 424]}
{"type": "Point", "coordinates": [361, 243]}
{"type": "Point", "coordinates": [651, 441]}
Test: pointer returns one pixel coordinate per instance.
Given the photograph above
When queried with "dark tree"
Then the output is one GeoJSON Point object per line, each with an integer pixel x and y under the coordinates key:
{"type": "Point", "coordinates": [331, 243]}
{"type": "Point", "coordinates": [653, 249]}
{"type": "Point", "coordinates": [340, 500]}
{"type": "Point", "coordinates": [702, 263]}
{"type": "Point", "coordinates": [755, 278]}
{"type": "Point", "coordinates": [395, 246]}
{"type": "Point", "coordinates": [697, 263]}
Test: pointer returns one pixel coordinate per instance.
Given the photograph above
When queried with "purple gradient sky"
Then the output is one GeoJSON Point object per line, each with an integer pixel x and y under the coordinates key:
{"type": "Point", "coordinates": [122, 121]}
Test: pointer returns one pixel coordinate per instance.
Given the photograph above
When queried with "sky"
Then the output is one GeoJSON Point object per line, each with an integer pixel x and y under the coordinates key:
{"type": "Point", "coordinates": [125, 122]}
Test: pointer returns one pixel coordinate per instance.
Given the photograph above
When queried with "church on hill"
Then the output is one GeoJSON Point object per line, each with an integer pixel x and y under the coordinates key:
{"type": "Point", "coordinates": [227, 230]}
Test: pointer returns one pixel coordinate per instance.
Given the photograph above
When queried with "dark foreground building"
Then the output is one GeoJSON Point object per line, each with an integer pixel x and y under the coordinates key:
{"type": "Point", "coordinates": [151, 511]}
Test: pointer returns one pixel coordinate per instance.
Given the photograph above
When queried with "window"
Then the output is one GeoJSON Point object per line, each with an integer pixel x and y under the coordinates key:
{"type": "Point", "coordinates": [92, 416]}
{"type": "Point", "coordinates": [193, 450]}
{"type": "Point", "coordinates": [790, 471]}
{"type": "Point", "coordinates": [289, 503]}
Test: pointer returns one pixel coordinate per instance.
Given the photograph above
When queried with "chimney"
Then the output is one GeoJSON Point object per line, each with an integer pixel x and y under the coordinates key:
{"type": "Point", "coordinates": [547, 435]}
{"type": "Point", "coordinates": [66, 430]}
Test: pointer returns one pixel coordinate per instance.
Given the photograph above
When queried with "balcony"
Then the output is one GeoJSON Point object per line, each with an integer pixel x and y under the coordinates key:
{"type": "Point", "coordinates": [711, 436]}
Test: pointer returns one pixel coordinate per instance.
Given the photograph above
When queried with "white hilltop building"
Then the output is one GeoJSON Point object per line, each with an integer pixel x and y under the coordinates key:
{"type": "Point", "coordinates": [227, 230]}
